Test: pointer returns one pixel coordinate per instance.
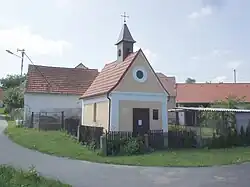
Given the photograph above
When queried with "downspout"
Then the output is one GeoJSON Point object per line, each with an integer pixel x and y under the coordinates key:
{"type": "Point", "coordinates": [109, 111]}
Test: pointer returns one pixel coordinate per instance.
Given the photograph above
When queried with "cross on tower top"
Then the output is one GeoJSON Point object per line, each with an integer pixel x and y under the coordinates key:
{"type": "Point", "coordinates": [124, 16]}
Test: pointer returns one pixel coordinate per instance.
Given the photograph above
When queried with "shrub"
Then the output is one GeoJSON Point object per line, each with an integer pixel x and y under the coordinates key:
{"type": "Point", "coordinates": [216, 142]}
{"type": "Point", "coordinates": [115, 146]}
{"type": "Point", "coordinates": [125, 146]}
{"type": "Point", "coordinates": [248, 135]}
{"type": "Point", "coordinates": [134, 146]}
{"type": "Point", "coordinates": [179, 137]}
{"type": "Point", "coordinates": [92, 145]}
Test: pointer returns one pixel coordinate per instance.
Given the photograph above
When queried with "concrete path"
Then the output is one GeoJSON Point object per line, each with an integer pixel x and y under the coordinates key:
{"type": "Point", "coordinates": [85, 174]}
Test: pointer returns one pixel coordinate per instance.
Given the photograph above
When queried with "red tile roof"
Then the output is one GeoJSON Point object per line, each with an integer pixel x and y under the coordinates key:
{"type": "Point", "coordinates": [169, 83]}
{"type": "Point", "coordinates": [59, 80]}
{"type": "Point", "coordinates": [210, 92]}
{"type": "Point", "coordinates": [109, 77]}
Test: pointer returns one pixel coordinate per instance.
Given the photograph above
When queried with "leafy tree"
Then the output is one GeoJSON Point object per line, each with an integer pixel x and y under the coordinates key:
{"type": "Point", "coordinates": [216, 118]}
{"type": "Point", "coordinates": [12, 81]}
{"type": "Point", "coordinates": [190, 80]}
{"type": "Point", "coordinates": [13, 98]}
{"type": "Point", "coordinates": [232, 102]}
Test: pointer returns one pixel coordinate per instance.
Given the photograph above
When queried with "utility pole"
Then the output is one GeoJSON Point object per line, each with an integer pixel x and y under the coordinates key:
{"type": "Point", "coordinates": [22, 57]}
{"type": "Point", "coordinates": [234, 75]}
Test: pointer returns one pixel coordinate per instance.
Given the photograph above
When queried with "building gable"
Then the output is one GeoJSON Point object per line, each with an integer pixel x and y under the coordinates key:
{"type": "Point", "coordinates": [140, 77]}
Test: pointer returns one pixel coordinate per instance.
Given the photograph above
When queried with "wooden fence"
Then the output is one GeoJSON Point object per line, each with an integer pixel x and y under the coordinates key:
{"type": "Point", "coordinates": [115, 140]}
{"type": "Point", "coordinates": [71, 126]}
{"type": "Point", "coordinates": [156, 139]}
{"type": "Point", "coordinates": [89, 135]}
{"type": "Point", "coordinates": [181, 139]}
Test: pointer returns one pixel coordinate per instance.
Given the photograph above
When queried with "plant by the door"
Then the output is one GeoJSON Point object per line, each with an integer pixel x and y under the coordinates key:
{"type": "Point", "coordinates": [126, 146]}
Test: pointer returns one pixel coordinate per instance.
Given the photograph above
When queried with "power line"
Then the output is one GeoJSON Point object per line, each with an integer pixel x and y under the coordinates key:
{"type": "Point", "coordinates": [38, 70]}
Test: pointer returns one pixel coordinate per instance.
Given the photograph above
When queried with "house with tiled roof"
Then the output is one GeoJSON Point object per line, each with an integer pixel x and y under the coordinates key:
{"type": "Point", "coordinates": [204, 94]}
{"type": "Point", "coordinates": [54, 89]}
{"type": "Point", "coordinates": [127, 95]}
{"type": "Point", "coordinates": [170, 85]}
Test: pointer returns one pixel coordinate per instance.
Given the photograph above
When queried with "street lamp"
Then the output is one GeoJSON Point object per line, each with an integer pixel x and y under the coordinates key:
{"type": "Point", "coordinates": [22, 57]}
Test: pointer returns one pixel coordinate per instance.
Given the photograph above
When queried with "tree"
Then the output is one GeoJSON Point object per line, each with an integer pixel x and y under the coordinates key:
{"type": "Point", "coordinates": [13, 98]}
{"type": "Point", "coordinates": [232, 102]}
{"type": "Point", "coordinates": [12, 81]}
{"type": "Point", "coordinates": [190, 80]}
{"type": "Point", "coordinates": [224, 119]}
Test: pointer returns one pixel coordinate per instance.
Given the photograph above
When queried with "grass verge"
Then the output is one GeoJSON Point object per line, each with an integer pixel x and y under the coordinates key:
{"type": "Point", "coordinates": [1, 110]}
{"type": "Point", "coordinates": [60, 144]}
{"type": "Point", "coordinates": [11, 177]}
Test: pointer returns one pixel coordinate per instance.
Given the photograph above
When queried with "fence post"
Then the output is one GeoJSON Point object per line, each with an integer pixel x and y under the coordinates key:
{"type": "Point", "coordinates": [32, 120]}
{"type": "Point", "coordinates": [103, 144]}
{"type": "Point", "coordinates": [78, 133]}
{"type": "Point", "coordinates": [146, 140]}
{"type": "Point", "coordinates": [62, 120]}
{"type": "Point", "coordinates": [39, 122]}
{"type": "Point", "coordinates": [165, 136]}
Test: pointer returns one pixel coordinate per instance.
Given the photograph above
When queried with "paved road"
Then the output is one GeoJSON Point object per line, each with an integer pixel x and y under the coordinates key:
{"type": "Point", "coordinates": [85, 174]}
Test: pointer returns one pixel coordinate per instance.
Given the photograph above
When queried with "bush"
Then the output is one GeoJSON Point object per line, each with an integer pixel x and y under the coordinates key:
{"type": "Point", "coordinates": [123, 146]}
{"type": "Point", "coordinates": [11, 177]}
{"type": "Point", "coordinates": [248, 135]}
{"type": "Point", "coordinates": [134, 146]}
{"type": "Point", "coordinates": [92, 145]}
{"type": "Point", "coordinates": [115, 146]}
{"type": "Point", "coordinates": [179, 137]}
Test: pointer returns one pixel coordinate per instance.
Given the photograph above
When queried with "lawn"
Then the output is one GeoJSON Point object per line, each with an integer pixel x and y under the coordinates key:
{"type": "Point", "coordinates": [11, 177]}
{"type": "Point", "coordinates": [1, 110]}
{"type": "Point", "coordinates": [60, 144]}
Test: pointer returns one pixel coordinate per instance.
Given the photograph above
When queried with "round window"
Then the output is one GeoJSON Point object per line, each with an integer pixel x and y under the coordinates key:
{"type": "Point", "coordinates": [139, 74]}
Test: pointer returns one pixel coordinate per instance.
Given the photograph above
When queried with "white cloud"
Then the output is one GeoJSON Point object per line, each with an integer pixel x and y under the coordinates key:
{"type": "Point", "coordinates": [195, 58]}
{"type": "Point", "coordinates": [62, 3]}
{"type": "Point", "coordinates": [151, 56]}
{"type": "Point", "coordinates": [35, 44]}
{"type": "Point", "coordinates": [234, 64]}
{"type": "Point", "coordinates": [219, 79]}
{"type": "Point", "coordinates": [220, 53]}
{"type": "Point", "coordinates": [205, 11]}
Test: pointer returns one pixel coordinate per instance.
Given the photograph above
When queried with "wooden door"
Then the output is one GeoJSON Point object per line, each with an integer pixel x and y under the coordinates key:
{"type": "Point", "coordinates": [140, 121]}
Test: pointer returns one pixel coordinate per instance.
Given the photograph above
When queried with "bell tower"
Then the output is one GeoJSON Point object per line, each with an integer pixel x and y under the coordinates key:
{"type": "Point", "coordinates": [125, 42]}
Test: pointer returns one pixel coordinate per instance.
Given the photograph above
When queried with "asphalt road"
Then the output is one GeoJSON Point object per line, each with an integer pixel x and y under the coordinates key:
{"type": "Point", "coordinates": [86, 174]}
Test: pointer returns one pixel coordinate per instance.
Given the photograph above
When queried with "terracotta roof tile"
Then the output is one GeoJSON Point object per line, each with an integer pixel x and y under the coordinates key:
{"type": "Point", "coordinates": [210, 92]}
{"type": "Point", "coordinates": [109, 76]}
{"type": "Point", "coordinates": [60, 80]}
{"type": "Point", "coordinates": [169, 83]}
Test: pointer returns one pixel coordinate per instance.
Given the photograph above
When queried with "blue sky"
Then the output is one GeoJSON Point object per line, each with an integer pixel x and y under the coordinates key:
{"type": "Point", "coordinates": [203, 39]}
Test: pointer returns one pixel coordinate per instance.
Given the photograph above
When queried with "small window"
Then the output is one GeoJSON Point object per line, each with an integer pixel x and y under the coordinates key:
{"type": "Point", "coordinates": [155, 114]}
{"type": "Point", "coordinates": [119, 52]}
{"type": "Point", "coordinates": [94, 112]}
{"type": "Point", "coordinates": [139, 74]}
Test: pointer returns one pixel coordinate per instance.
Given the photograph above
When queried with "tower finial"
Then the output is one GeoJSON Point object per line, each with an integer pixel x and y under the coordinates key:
{"type": "Point", "coordinates": [124, 16]}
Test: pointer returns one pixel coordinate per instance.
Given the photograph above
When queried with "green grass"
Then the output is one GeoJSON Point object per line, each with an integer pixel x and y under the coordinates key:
{"type": "Point", "coordinates": [60, 144]}
{"type": "Point", "coordinates": [11, 177]}
{"type": "Point", "coordinates": [1, 110]}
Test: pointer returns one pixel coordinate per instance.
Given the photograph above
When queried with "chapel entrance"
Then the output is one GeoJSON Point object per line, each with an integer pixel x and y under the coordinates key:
{"type": "Point", "coordinates": [140, 121]}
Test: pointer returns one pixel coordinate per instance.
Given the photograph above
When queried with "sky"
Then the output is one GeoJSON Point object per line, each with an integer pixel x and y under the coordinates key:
{"type": "Point", "coordinates": [201, 39]}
